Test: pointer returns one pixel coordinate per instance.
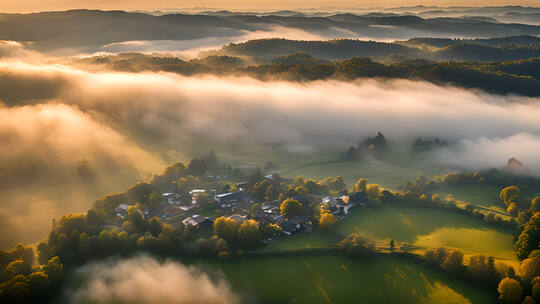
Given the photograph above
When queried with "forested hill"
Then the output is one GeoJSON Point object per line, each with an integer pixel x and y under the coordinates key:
{"type": "Point", "coordinates": [512, 77]}
{"type": "Point", "coordinates": [502, 49]}
{"type": "Point", "coordinates": [331, 49]}
{"type": "Point", "coordinates": [79, 28]}
{"type": "Point", "coordinates": [495, 42]}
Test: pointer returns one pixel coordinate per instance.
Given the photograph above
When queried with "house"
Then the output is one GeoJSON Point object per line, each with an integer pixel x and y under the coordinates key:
{"type": "Point", "coordinates": [274, 177]}
{"type": "Point", "coordinates": [239, 218]}
{"type": "Point", "coordinates": [330, 201]}
{"type": "Point", "coordinates": [176, 199]}
{"type": "Point", "coordinates": [225, 199]}
{"type": "Point", "coordinates": [268, 205]}
{"type": "Point", "coordinates": [198, 221]}
{"type": "Point", "coordinates": [242, 185]}
{"type": "Point", "coordinates": [333, 204]}
{"type": "Point", "coordinates": [270, 177]}
{"type": "Point", "coordinates": [169, 198]}
{"type": "Point", "coordinates": [121, 210]}
{"type": "Point", "coordinates": [347, 202]}
{"type": "Point", "coordinates": [261, 217]}
{"type": "Point", "coordinates": [187, 207]}
{"type": "Point", "coordinates": [196, 192]}
{"type": "Point", "coordinates": [273, 211]}
{"type": "Point", "coordinates": [344, 206]}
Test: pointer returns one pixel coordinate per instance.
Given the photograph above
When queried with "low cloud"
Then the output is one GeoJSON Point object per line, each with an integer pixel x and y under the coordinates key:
{"type": "Point", "coordinates": [483, 152]}
{"type": "Point", "coordinates": [193, 46]}
{"type": "Point", "coordinates": [58, 136]}
{"type": "Point", "coordinates": [14, 49]}
{"type": "Point", "coordinates": [186, 48]}
{"type": "Point", "coordinates": [56, 159]}
{"type": "Point", "coordinates": [165, 108]}
{"type": "Point", "coordinates": [144, 280]}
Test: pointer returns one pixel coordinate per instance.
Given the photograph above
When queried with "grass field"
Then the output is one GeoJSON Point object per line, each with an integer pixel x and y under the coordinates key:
{"type": "Point", "coordinates": [392, 172]}
{"type": "Point", "coordinates": [430, 228]}
{"type": "Point", "coordinates": [425, 228]}
{"type": "Point", "coordinates": [336, 279]}
{"type": "Point", "coordinates": [304, 240]}
{"type": "Point", "coordinates": [375, 171]}
{"type": "Point", "coordinates": [483, 195]}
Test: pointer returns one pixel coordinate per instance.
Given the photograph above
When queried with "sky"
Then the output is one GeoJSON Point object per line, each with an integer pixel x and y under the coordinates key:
{"type": "Point", "coordinates": [48, 5]}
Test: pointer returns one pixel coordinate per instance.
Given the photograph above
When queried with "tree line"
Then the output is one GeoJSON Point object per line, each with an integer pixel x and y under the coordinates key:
{"type": "Point", "coordinates": [519, 76]}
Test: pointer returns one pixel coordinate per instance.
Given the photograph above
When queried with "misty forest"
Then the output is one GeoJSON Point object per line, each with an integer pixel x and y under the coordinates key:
{"type": "Point", "coordinates": [217, 155]}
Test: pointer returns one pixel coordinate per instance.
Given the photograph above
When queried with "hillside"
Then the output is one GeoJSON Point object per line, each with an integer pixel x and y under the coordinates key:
{"type": "Point", "coordinates": [80, 28]}
{"type": "Point", "coordinates": [503, 49]}
{"type": "Point", "coordinates": [515, 77]}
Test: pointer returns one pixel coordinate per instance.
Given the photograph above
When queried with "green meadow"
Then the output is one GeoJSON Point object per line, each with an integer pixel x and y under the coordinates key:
{"type": "Point", "coordinates": [482, 195]}
{"type": "Point", "coordinates": [337, 279]}
{"type": "Point", "coordinates": [385, 173]}
{"type": "Point", "coordinates": [392, 171]}
{"type": "Point", "coordinates": [420, 227]}
{"type": "Point", "coordinates": [430, 228]}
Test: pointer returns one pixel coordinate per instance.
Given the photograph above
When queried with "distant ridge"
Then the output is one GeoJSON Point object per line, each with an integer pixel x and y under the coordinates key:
{"type": "Point", "coordinates": [91, 28]}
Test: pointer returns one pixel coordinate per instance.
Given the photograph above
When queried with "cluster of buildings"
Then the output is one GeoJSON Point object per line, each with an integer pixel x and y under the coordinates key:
{"type": "Point", "coordinates": [341, 206]}
{"type": "Point", "coordinates": [180, 203]}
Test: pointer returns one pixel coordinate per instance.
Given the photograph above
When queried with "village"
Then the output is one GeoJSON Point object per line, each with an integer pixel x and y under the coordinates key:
{"type": "Point", "coordinates": [198, 208]}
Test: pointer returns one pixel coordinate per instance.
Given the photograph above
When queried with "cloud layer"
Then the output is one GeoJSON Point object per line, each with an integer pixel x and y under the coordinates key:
{"type": "Point", "coordinates": [275, 113]}
{"type": "Point", "coordinates": [144, 280]}
{"type": "Point", "coordinates": [56, 159]}
{"type": "Point", "coordinates": [305, 117]}
{"type": "Point", "coordinates": [58, 136]}
{"type": "Point", "coordinates": [483, 152]}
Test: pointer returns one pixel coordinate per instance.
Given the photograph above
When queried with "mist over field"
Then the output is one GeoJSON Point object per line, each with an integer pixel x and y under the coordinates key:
{"type": "Point", "coordinates": [144, 279]}
{"type": "Point", "coordinates": [315, 115]}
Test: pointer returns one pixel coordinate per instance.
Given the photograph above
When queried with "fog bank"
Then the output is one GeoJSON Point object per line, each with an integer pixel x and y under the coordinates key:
{"type": "Point", "coordinates": [318, 114]}
{"type": "Point", "coordinates": [58, 137]}
{"type": "Point", "coordinates": [144, 280]}
{"type": "Point", "coordinates": [483, 152]}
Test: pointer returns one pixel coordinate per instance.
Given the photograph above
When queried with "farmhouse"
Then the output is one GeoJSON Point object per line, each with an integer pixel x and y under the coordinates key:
{"type": "Point", "coordinates": [121, 210]}
{"type": "Point", "coordinates": [330, 201]}
{"type": "Point", "coordinates": [242, 185]}
{"type": "Point", "coordinates": [261, 217]}
{"type": "Point", "coordinates": [225, 199]}
{"type": "Point", "coordinates": [239, 218]}
{"type": "Point", "coordinates": [199, 222]}
{"type": "Point", "coordinates": [172, 198]}
{"type": "Point", "coordinates": [195, 192]}
{"type": "Point", "coordinates": [342, 205]}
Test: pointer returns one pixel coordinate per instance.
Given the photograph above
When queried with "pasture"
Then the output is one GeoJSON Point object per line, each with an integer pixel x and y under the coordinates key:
{"type": "Point", "coordinates": [337, 279]}
{"type": "Point", "coordinates": [430, 228]}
